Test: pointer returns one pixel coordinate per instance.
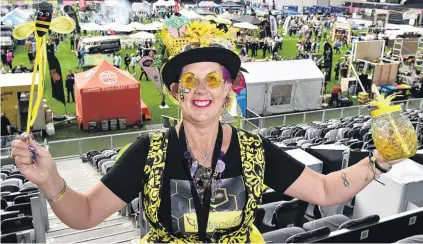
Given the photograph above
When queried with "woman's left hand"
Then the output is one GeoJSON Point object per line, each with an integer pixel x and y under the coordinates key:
{"type": "Point", "coordinates": [385, 163]}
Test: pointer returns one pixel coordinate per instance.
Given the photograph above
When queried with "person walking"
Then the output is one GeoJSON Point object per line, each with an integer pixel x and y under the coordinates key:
{"type": "Point", "coordinates": [127, 61]}
{"type": "Point", "coordinates": [72, 42]}
{"type": "Point", "coordinates": [9, 59]}
{"type": "Point", "coordinates": [70, 83]}
{"type": "Point", "coordinates": [337, 69]}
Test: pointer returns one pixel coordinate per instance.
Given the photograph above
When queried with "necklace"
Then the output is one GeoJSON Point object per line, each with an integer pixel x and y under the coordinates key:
{"type": "Point", "coordinates": [201, 175]}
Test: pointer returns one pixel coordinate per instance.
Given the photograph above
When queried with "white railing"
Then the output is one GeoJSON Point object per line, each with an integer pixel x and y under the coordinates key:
{"type": "Point", "coordinates": [71, 148]}
{"type": "Point", "coordinates": [318, 115]}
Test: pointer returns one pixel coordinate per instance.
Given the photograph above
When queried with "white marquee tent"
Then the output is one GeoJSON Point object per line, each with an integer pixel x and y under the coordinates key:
{"type": "Point", "coordinates": [283, 86]}
{"type": "Point", "coordinates": [118, 27]}
{"type": "Point", "coordinates": [246, 25]}
{"type": "Point", "coordinates": [143, 36]}
{"type": "Point", "coordinates": [92, 27]}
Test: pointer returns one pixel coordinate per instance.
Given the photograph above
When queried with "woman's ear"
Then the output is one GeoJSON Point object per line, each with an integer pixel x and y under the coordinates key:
{"type": "Point", "coordinates": [174, 89]}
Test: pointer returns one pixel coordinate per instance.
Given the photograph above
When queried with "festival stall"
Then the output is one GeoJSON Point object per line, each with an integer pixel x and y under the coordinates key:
{"type": "Point", "coordinates": [339, 29]}
{"type": "Point", "coordinates": [105, 92]}
{"type": "Point", "coordinates": [15, 100]}
{"type": "Point", "coordinates": [283, 86]}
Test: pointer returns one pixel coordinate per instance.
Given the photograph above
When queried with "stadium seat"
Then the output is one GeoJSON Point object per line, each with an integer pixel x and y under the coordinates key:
{"type": "Point", "coordinates": [16, 224]}
{"type": "Point", "coordinates": [265, 220]}
{"type": "Point", "coordinates": [9, 238]}
{"type": "Point", "coordinates": [16, 176]}
{"type": "Point", "coordinates": [290, 213]}
{"type": "Point", "coordinates": [29, 189]}
{"type": "Point", "coordinates": [103, 161]}
{"type": "Point", "coordinates": [3, 204]}
{"type": "Point", "coordinates": [272, 196]}
{"type": "Point", "coordinates": [308, 236]}
{"type": "Point", "coordinates": [15, 172]}
{"type": "Point", "coordinates": [281, 235]}
{"type": "Point", "coordinates": [29, 184]}
{"type": "Point", "coordinates": [412, 239]}
{"type": "Point", "coordinates": [24, 208]}
{"type": "Point", "coordinates": [24, 199]}
{"type": "Point", "coordinates": [9, 214]}
{"type": "Point", "coordinates": [9, 188]}
{"type": "Point", "coordinates": [332, 222]}
{"type": "Point", "coordinates": [106, 165]}
{"type": "Point", "coordinates": [360, 222]}
{"type": "Point", "coordinates": [135, 205]}
{"type": "Point", "coordinates": [3, 176]}
{"type": "Point", "coordinates": [14, 181]}
{"type": "Point", "coordinates": [11, 197]}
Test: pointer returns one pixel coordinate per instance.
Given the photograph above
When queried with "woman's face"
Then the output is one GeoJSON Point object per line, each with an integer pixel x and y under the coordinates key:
{"type": "Point", "coordinates": [201, 103]}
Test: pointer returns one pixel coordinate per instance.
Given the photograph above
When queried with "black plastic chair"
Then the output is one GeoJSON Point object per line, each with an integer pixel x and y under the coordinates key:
{"type": "Point", "coordinates": [9, 238]}
{"type": "Point", "coordinates": [11, 197]}
{"type": "Point", "coordinates": [16, 176]}
{"type": "Point", "coordinates": [3, 204]}
{"type": "Point", "coordinates": [17, 172]}
{"type": "Point", "coordinates": [332, 222]}
{"type": "Point", "coordinates": [290, 213]}
{"type": "Point", "coordinates": [24, 208]}
{"type": "Point", "coordinates": [16, 224]}
{"type": "Point", "coordinates": [281, 235]}
{"type": "Point", "coordinates": [10, 188]}
{"type": "Point", "coordinates": [309, 236]}
{"type": "Point", "coordinates": [29, 189]}
{"type": "Point", "coordinates": [24, 199]}
{"type": "Point", "coordinates": [9, 214]}
{"type": "Point", "coordinates": [355, 223]}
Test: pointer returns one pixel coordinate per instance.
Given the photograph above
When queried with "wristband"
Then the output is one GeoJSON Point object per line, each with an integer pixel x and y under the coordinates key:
{"type": "Point", "coordinates": [377, 166]}
{"type": "Point", "coordinates": [58, 197]}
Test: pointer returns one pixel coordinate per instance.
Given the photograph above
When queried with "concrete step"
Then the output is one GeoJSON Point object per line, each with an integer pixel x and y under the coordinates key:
{"type": "Point", "coordinates": [94, 233]}
{"type": "Point", "coordinates": [54, 220]}
{"type": "Point", "coordinates": [113, 238]}
{"type": "Point", "coordinates": [61, 228]}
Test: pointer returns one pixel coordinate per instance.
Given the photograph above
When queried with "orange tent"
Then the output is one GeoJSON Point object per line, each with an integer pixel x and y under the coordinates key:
{"type": "Point", "coordinates": [105, 92]}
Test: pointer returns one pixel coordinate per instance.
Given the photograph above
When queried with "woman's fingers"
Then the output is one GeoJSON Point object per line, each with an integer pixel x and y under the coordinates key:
{"type": "Point", "coordinates": [21, 160]}
{"type": "Point", "coordinates": [21, 152]}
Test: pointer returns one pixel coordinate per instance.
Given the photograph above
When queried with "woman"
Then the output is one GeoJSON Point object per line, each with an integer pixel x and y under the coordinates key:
{"type": "Point", "coordinates": [201, 181]}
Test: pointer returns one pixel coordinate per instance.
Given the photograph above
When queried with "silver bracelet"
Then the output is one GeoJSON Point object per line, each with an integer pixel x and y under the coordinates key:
{"type": "Point", "coordinates": [58, 197]}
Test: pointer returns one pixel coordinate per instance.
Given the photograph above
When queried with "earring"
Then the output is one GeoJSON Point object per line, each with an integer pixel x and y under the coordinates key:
{"type": "Point", "coordinates": [181, 94]}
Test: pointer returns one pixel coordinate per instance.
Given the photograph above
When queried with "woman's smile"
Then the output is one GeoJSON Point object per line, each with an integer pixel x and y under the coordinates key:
{"type": "Point", "coordinates": [201, 103]}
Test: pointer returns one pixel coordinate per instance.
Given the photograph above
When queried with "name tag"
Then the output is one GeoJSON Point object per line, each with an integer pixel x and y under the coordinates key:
{"type": "Point", "coordinates": [217, 220]}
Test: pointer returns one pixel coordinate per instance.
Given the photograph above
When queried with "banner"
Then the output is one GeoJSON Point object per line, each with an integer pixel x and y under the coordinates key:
{"type": "Point", "coordinates": [327, 57]}
{"type": "Point", "coordinates": [265, 29]}
{"type": "Point", "coordinates": [71, 13]}
{"type": "Point", "coordinates": [56, 77]}
{"type": "Point", "coordinates": [239, 86]}
{"type": "Point", "coordinates": [273, 25]}
{"type": "Point", "coordinates": [153, 73]}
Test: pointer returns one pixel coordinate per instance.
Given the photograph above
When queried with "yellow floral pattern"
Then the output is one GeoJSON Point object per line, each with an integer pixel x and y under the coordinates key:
{"type": "Point", "coordinates": [252, 158]}
{"type": "Point", "coordinates": [204, 33]}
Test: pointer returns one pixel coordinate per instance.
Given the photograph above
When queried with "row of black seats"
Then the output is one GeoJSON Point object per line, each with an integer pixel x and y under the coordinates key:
{"type": "Point", "coordinates": [102, 160]}
{"type": "Point", "coordinates": [405, 227]}
{"type": "Point", "coordinates": [16, 212]}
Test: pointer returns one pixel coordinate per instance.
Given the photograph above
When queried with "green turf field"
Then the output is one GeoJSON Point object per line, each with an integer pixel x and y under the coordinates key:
{"type": "Point", "coordinates": [149, 93]}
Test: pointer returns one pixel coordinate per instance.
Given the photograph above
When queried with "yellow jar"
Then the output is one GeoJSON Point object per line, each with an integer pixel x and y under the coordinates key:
{"type": "Point", "coordinates": [393, 134]}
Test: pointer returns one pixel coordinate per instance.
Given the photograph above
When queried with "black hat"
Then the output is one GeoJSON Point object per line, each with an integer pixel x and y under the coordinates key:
{"type": "Point", "coordinates": [225, 57]}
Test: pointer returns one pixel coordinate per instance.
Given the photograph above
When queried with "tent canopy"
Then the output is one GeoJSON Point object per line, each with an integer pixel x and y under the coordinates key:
{"type": "Point", "coordinates": [283, 86]}
{"type": "Point", "coordinates": [248, 18]}
{"type": "Point", "coordinates": [92, 27]}
{"type": "Point", "coordinates": [245, 25]}
{"type": "Point", "coordinates": [118, 27]}
{"type": "Point", "coordinates": [203, 11]}
{"type": "Point", "coordinates": [273, 71]}
{"type": "Point", "coordinates": [142, 35]}
{"type": "Point", "coordinates": [230, 5]}
{"type": "Point", "coordinates": [105, 92]}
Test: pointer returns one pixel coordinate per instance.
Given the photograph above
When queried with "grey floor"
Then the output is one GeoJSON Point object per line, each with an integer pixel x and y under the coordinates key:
{"type": "Point", "coordinates": [115, 229]}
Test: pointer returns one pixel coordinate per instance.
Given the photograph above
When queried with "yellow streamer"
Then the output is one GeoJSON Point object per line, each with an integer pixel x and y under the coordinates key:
{"type": "Point", "coordinates": [63, 25]}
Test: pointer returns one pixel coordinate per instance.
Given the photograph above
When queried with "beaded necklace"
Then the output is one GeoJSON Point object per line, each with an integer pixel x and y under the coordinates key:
{"type": "Point", "coordinates": [202, 176]}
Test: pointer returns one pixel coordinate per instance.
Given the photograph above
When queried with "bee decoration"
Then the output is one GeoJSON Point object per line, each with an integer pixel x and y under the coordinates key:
{"type": "Point", "coordinates": [42, 24]}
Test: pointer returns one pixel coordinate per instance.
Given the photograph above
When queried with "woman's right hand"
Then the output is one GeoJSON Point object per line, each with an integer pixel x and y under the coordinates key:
{"type": "Point", "coordinates": [33, 161]}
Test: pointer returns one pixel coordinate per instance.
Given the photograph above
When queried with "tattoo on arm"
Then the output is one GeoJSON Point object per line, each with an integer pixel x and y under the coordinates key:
{"type": "Point", "coordinates": [344, 179]}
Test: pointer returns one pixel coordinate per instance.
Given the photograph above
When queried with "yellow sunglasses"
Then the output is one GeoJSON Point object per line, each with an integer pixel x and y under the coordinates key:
{"type": "Point", "coordinates": [190, 81]}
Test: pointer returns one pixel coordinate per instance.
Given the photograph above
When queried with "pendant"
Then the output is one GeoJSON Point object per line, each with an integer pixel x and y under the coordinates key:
{"type": "Point", "coordinates": [220, 166]}
{"type": "Point", "coordinates": [194, 168]}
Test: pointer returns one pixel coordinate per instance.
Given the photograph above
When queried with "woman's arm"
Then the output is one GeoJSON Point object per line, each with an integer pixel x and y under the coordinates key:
{"type": "Point", "coordinates": [78, 210]}
{"type": "Point", "coordinates": [334, 188]}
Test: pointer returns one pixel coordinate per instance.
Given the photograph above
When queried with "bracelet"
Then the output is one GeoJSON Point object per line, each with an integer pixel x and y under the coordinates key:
{"type": "Point", "coordinates": [58, 197]}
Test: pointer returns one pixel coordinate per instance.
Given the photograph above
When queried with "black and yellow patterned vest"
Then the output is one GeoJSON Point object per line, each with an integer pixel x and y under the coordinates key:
{"type": "Point", "coordinates": [252, 159]}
